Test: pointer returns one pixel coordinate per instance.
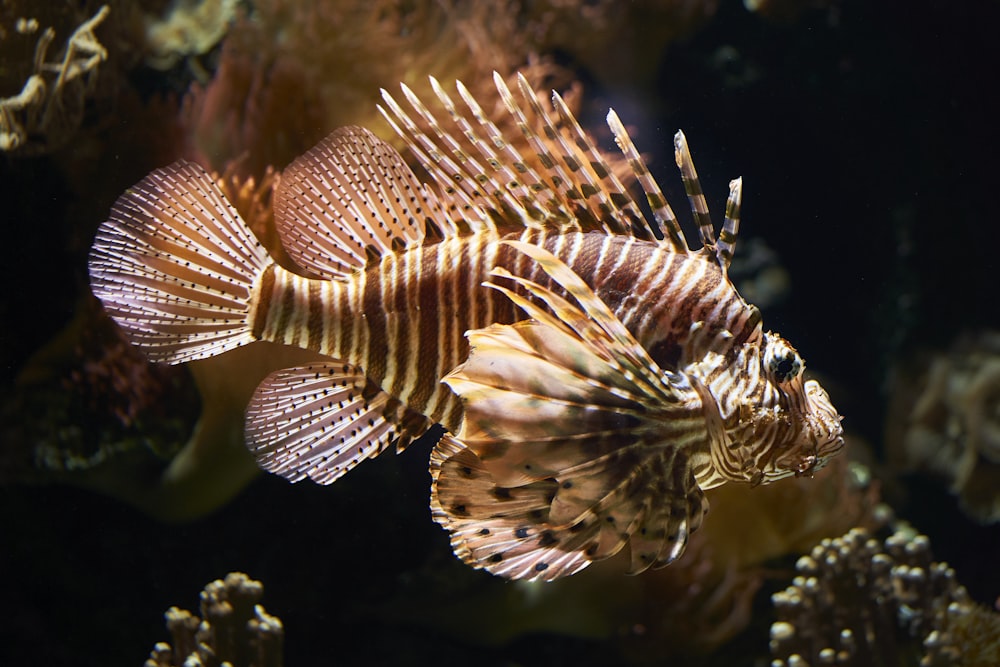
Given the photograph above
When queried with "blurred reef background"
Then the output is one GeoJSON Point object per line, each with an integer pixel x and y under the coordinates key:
{"type": "Point", "coordinates": [866, 134]}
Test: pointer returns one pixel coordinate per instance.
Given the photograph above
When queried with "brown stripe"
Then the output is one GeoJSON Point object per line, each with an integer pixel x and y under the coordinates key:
{"type": "Point", "coordinates": [286, 308]}
{"type": "Point", "coordinates": [373, 310]}
{"type": "Point", "coordinates": [343, 335]}
{"type": "Point", "coordinates": [428, 325]}
{"type": "Point", "coordinates": [315, 325]}
{"type": "Point", "coordinates": [263, 306]}
{"type": "Point", "coordinates": [405, 327]}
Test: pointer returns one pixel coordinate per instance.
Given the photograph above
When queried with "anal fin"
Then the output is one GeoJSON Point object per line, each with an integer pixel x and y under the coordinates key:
{"type": "Point", "coordinates": [319, 421]}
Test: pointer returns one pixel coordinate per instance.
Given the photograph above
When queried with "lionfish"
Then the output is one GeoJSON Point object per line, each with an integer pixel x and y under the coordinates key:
{"type": "Point", "coordinates": [594, 374]}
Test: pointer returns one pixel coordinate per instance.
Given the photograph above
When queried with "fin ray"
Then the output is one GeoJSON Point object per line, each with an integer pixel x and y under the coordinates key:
{"type": "Point", "coordinates": [318, 421]}
{"type": "Point", "coordinates": [175, 266]}
{"type": "Point", "coordinates": [498, 529]}
{"type": "Point", "coordinates": [726, 245]}
{"type": "Point", "coordinates": [350, 193]}
{"type": "Point", "coordinates": [692, 185]}
{"type": "Point", "coordinates": [567, 415]}
{"type": "Point", "coordinates": [567, 183]}
{"type": "Point", "coordinates": [664, 216]}
{"type": "Point", "coordinates": [614, 201]}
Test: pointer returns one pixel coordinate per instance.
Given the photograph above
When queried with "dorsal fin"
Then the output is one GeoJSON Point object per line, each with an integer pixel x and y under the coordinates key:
{"type": "Point", "coordinates": [669, 228]}
{"type": "Point", "coordinates": [699, 207]}
{"type": "Point", "coordinates": [445, 172]}
{"type": "Point", "coordinates": [349, 198]}
{"type": "Point", "coordinates": [614, 198]}
{"type": "Point", "coordinates": [726, 245]}
{"type": "Point", "coordinates": [594, 195]}
{"type": "Point", "coordinates": [563, 182]}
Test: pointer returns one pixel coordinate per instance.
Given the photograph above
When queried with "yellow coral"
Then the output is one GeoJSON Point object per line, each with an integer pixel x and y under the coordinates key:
{"type": "Point", "coordinates": [944, 418]}
{"type": "Point", "coordinates": [190, 28]}
{"type": "Point", "coordinates": [49, 107]}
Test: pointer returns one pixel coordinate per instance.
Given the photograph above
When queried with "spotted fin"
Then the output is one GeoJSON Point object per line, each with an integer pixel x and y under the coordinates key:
{"type": "Point", "coordinates": [349, 198]}
{"type": "Point", "coordinates": [499, 529]}
{"type": "Point", "coordinates": [176, 267]}
{"type": "Point", "coordinates": [569, 411]}
{"type": "Point", "coordinates": [321, 420]}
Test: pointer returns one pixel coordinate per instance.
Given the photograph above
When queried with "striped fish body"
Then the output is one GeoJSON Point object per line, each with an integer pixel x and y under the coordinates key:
{"type": "Point", "coordinates": [595, 374]}
{"type": "Point", "coordinates": [404, 319]}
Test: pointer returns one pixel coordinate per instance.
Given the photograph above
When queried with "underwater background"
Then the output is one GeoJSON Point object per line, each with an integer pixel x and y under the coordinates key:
{"type": "Point", "coordinates": [866, 135]}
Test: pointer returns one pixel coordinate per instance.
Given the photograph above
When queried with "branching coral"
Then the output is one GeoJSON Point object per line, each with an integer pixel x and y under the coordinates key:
{"type": "Point", "coordinates": [234, 630]}
{"type": "Point", "coordinates": [945, 419]}
{"type": "Point", "coordinates": [857, 601]}
{"type": "Point", "coordinates": [49, 107]}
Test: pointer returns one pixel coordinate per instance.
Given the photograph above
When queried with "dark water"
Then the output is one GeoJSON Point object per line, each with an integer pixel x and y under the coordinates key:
{"type": "Point", "coordinates": [866, 134]}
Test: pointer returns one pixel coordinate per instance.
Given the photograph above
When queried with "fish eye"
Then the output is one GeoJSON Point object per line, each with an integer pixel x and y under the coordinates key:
{"type": "Point", "coordinates": [785, 367]}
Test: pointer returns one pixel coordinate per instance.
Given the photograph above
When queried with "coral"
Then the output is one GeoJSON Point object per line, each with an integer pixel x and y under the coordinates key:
{"type": "Point", "coordinates": [751, 525]}
{"type": "Point", "coordinates": [619, 44]}
{"type": "Point", "coordinates": [684, 612]}
{"type": "Point", "coordinates": [234, 630]}
{"type": "Point", "coordinates": [190, 28]}
{"type": "Point", "coordinates": [88, 397]}
{"type": "Point", "coordinates": [49, 106]}
{"type": "Point", "coordinates": [292, 72]}
{"type": "Point", "coordinates": [944, 419]}
{"type": "Point", "coordinates": [89, 410]}
{"type": "Point", "coordinates": [857, 601]}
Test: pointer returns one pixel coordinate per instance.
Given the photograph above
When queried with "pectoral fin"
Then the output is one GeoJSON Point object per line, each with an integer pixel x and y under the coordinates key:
{"type": "Point", "coordinates": [567, 415]}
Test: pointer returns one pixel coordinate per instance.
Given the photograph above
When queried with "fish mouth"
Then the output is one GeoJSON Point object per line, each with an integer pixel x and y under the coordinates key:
{"type": "Point", "coordinates": [821, 437]}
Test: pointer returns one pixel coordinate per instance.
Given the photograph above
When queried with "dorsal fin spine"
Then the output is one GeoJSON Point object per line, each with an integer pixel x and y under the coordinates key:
{"type": "Point", "coordinates": [699, 207]}
{"type": "Point", "coordinates": [570, 158]}
{"type": "Point", "coordinates": [425, 149]}
{"type": "Point", "coordinates": [613, 193]}
{"type": "Point", "coordinates": [726, 245]}
{"type": "Point", "coordinates": [531, 186]}
{"type": "Point", "coordinates": [506, 189]}
{"type": "Point", "coordinates": [463, 164]}
{"type": "Point", "coordinates": [662, 213]}
{"type": "Point", "coordinates": [556, 175]}
{"type": "Point", "coordinates": [577, 160]}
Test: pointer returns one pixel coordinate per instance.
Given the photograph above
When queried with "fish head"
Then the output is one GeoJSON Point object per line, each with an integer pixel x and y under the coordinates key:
{"type": "Point", "coordinates": [806, 429]}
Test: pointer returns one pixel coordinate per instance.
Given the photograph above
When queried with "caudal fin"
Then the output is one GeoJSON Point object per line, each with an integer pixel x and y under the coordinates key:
{"type": "Point", "coordinates": [175, 266]}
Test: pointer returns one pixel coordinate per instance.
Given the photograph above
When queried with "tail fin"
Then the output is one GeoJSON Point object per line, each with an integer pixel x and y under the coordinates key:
{"type": "Point", "coordinates": [175, 266]}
